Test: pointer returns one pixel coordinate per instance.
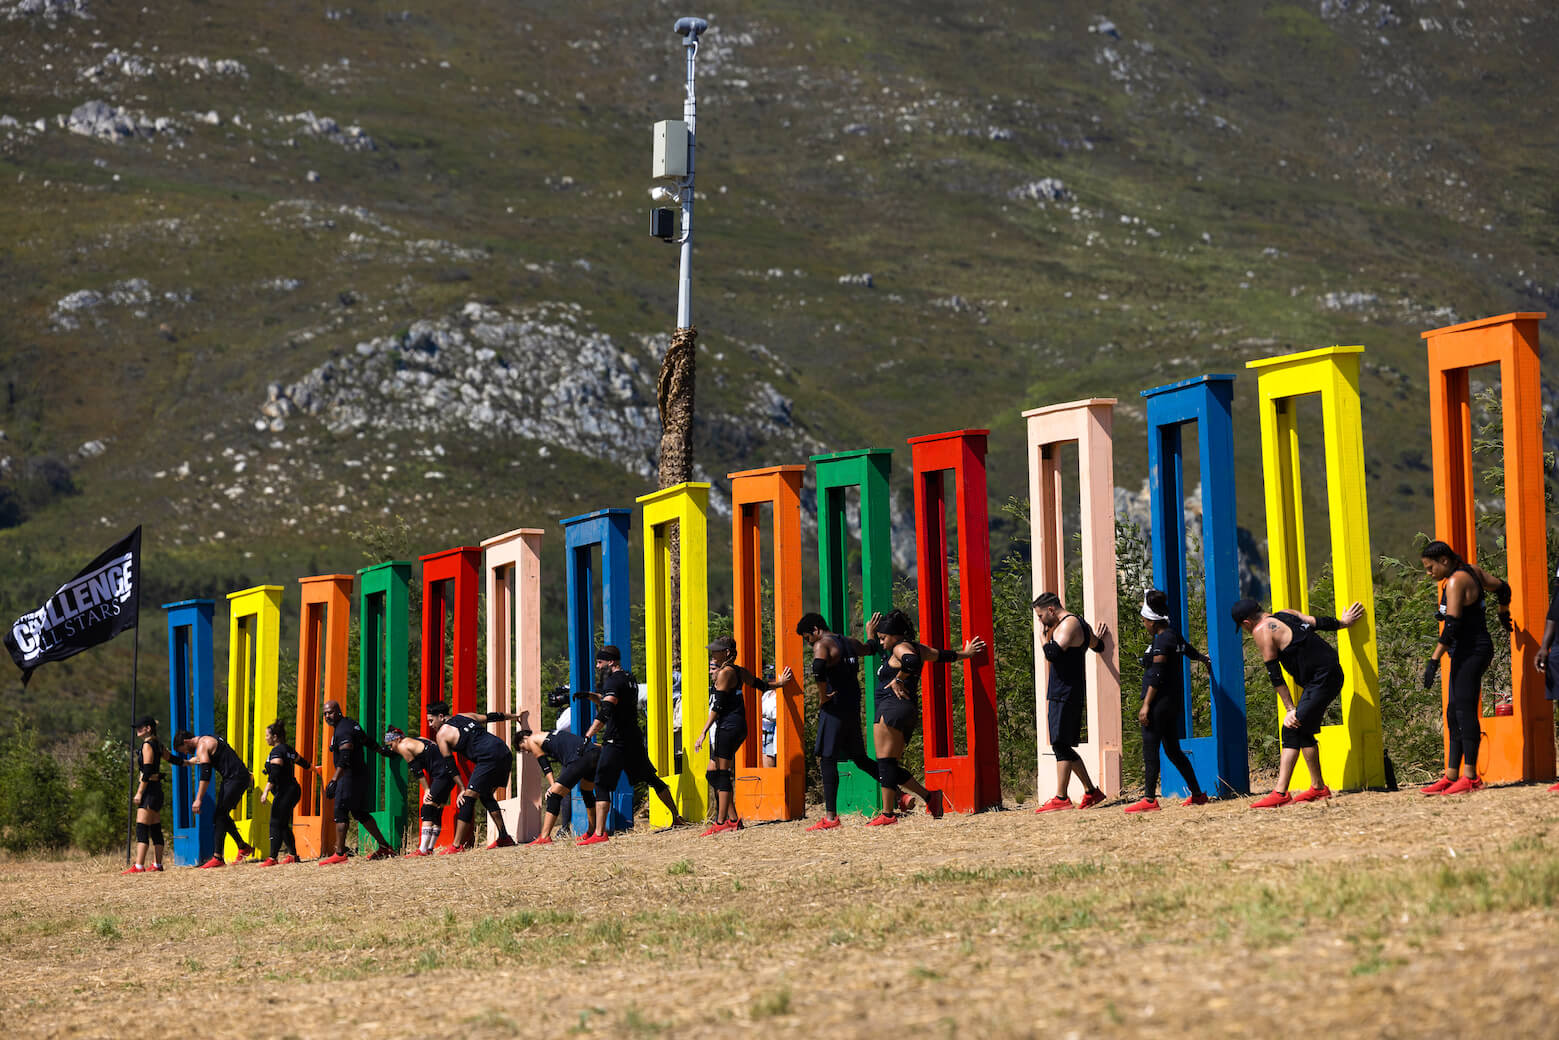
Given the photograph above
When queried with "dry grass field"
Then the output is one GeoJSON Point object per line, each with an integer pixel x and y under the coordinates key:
{"type": "Point", "coordinates": [1372, 915]}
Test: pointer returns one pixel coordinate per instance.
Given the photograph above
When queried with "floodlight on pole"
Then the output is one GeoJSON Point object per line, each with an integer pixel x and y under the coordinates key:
{"type": "Point", "coordinates": [690, 29]}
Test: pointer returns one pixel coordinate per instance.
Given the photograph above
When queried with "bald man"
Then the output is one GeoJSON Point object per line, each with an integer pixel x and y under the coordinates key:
{"type": "Point", "coordinates": [349, 747]}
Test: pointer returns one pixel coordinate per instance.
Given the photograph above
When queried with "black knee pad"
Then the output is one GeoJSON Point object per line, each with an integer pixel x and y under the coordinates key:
{"type": "Point", "coordinates": [554, 804]}
{"type": "Point", "coordinates": [888, 773]}
{"type": "Point", "coordinates": [143, 833]}
{"type": "Point", "coordinates": [712, 777]}
{"type": "Point", "coordinates": [466, 812]}
{"type": "Point", "coordinates": [489, 802]}
{"type": "Point", "coordinates": [587, 796]}
{"type": "Point", "coordinates": [431, 814]}
{"type": "Point", "coordinates": [728, 781]}
{"type": "Point", "coordinates": [156, 833]}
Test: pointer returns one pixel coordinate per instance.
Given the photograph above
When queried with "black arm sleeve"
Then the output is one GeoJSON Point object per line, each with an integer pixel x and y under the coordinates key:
{"type": "Point", "coordinates": [1052, 650]}
{"type": "Point", "coordinates": [1275, 673]}
{"type": "Point", "coordinates": [1327, 623]}
{"type": "Point", "coordinates": [497, 716]}
{"type": "Point", "coordinates": [946, 656]}
{"type": "Point", "coordinates": [544, 762]}
{"type": "Point", "coordinates": [909, 672]}
{"type": "Point", "coordinates": [1191, 653]}
{"type": "Point", "coordinates": [1502, 594]}
{"type": "Point", "coordinates": [205, 770]}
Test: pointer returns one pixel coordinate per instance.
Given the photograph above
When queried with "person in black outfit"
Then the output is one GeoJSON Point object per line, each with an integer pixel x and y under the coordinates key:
{"type": "Point", "coordinates": [616, 699]}
{"type": "Point", "coordinates": [578, 760]}
{"type": "Point", "coordinates": [354, 783]}
{"type": "Point", "coordinates": [898, 708]}
{"type": "Point", "coordinates": [440, 778]}
{"type": "Point", "coordinates": [836, 664]}
{"type": "Point", "coordinates": [283, 792]}
{"type": "Point", "coordinates": [1162, 715]}
{"type": "Point", "coordinates": [149, 797]}
{"type": "Point", "coordinates": [213, 753]}
{"type": "Point", "coordinates": [1068, 638]}
{"type": "Point", "coordinates": [1547, 653]}
{"type": "Point", "coordinates": [1288, 641]}
{"type": "Point", "coordinates": [728, 684]}
{"type": "Point", "coordinates": [1464, 633]}
{"type": "Point", "coordinates": [492, 763]}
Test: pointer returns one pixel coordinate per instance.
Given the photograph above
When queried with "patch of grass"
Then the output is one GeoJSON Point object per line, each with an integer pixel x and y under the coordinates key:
{"type": "Point", "coordinates": [105, 926]}
{"type": "Point", "coordinates": [494, 1021]}
{"type": "Point", "coordinates": [965, 875]}
{"type": "Point", "coordinates": [191, 965]}
{"type": "Point", "coordinates": [636, 1023]}
{"type": "Point", "coordinates": [920, 971]}
{"type": "Point", "coordinates": [428, 960]}
{"type": "Point", "coordinates": [680, 867]}
{"type": "Point", "coordinates": [772, 1004]}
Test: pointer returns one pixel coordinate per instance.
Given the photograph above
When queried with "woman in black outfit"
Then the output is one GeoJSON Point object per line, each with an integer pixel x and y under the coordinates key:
{"type": "Point", "coordinates": [283, 792]}
{"type": "Point", "coordinates": [728, 718]}
{"type": "Point", "coordinates": [440, 780]}
{"type": "Point", "coordinates": [1162, 715]}
{"type": "Point", "coordinates": [1464, 634]}
{"type": "Point", "coordinates": [898, 707]}
{"type": "Point", "coordinates": [149, 797]}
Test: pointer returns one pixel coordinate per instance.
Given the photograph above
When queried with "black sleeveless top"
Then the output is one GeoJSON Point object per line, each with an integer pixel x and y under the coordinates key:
{"type": "Point", "coordinates": [1470, 631]}
{"type": "Point", "coordinates": [279, 765]}
{"type": "Point", "coordinates": [843, 679]}
{"type": "Point", "coordinates": [475, 742]}
{"type": "Point", "coordinates": [226, 761]}
{"type": "Point", "coordinates": [730, 706]}
{"type": "Point", "coordinates": [1068, 672]}
{"type": "Point", "coordinates": [888, 671]}
{"type": "Point", "coordinates": [428, 761]}
{"type": "Point", "coordinates": [1307, 657]}
{"type": "Point", "coordinates": [151, 773]}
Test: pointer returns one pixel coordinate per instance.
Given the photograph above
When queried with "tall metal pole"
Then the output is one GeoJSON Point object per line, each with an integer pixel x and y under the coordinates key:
{"type": "Point", "coordinates": [690, 30]}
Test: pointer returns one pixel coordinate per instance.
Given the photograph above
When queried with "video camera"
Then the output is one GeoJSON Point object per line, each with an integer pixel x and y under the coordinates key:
{"type": "Point", "coordinates": [557, 697]}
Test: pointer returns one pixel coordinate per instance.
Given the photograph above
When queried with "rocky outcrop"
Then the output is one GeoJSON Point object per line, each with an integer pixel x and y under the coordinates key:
{"type": "Point", "coordinates": [109, 123]}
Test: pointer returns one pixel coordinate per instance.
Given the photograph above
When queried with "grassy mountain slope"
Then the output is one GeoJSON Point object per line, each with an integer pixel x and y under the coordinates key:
{"type": "Point", "coordinates": [1235, 180]}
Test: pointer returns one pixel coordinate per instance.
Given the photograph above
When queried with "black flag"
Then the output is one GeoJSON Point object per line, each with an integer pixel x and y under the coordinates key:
{"type": "Point", "coordinates": [96, 605]}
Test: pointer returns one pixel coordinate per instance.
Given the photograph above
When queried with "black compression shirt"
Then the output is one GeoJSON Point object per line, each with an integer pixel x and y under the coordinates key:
{"type": "Point", "coordinates": [151, 773]}
{"type": "Point", "coordinates": [475, 742]}
{"type": "Point", "coordinates": [1307, 657]}
{"type": "Point", "coordinates": [355, 760]}
{"type": "Point", "coordinates": [428, 761]}
{"type": "Point", "coordinates": [843, 679]}
{"type": "Point", "coordinates": [563, 745]}
{"type": "Point", "coordinates": [1068, 673]}
{"type": "Point", "coordinates": [1167, 678]}
{"type": "Point", "coordinates": [622, 725]}
{"type": "Point", "coordinates": [279, 765]}
{"type": "Point", "coordinates": [1469, 631]}
{"type": "Point", "coordinates": [226, 761]}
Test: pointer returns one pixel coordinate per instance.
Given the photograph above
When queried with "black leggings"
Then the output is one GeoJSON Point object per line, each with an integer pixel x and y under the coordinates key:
{"type": "Point", "coordinates": [830, 767]}
{"type": "Point", "coordinates": [1463, 720]}
{"type": "Point", "coordinates": [285, 801]}
{"type": "Point", "coordinates": [229, 796]}
{"type": "Point", "coordinates": [1164, 730]}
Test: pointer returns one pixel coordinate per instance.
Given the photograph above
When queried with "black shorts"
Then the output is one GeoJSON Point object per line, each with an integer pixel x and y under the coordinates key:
{"type": "Point", "coordinates": [898, 713]}
{"type": "Point", "coordinates": [730, 735]}
{"type": "Point", "coordinates": [617, 759]}
{"type": "Point", "coordinates": [231, 791]}
{"type": "Point", "coordinates": [580, 769]}
{"type": "Point", "coordinates": [489, 774]}
{"type": "Point", "coordinates": [838, 737]}
{"type": "Point", "coordinates": [354, 796]}
{"type": "Point", "coordinates": [1066, 721]}
{"type": "Point", "coordinates": [1311, 710]}
{"type": "Point", "coordinates": [436, 790]}
{"type": "Point", "coordinates": [152, 800]}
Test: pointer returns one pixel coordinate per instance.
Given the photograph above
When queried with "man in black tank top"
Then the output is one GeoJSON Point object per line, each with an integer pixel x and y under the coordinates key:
{"type": "Point", "coordinates": [616, 698]}
{"type": "Point", "coordinates": [1291, 640]}
{"type": "Point", "coordinates": [215, 754]}
{"type": "Point", "coordinates": [836, 670]}
{"type": "Point", "coordinates": [492, 763]}
{"type": "Point", "coordinates": [1068, 638]}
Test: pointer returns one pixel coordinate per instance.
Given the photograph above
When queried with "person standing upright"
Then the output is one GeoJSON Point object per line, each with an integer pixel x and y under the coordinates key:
{"type": "Point", "coordinates": [1068, 638]}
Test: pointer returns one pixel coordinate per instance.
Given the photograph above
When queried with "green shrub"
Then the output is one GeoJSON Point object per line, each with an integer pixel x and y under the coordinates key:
{"type": "Point", "coordinates": [100, 798]}
{"type": "Point", "coordinates": [34, 799]}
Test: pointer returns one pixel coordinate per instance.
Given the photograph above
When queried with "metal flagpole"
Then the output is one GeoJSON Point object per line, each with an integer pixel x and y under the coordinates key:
{"type": "Point", "coordinates": [135, 677]}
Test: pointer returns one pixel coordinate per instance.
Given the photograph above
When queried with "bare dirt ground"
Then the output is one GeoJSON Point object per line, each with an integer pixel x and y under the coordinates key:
{"type": "Point", "coordinates": [1382, 915]}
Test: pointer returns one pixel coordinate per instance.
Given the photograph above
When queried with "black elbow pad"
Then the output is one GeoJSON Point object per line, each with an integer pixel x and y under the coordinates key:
{"type": "Point", "coordinates": [1502, 594]}
{"type": "Point", "coordinates": [1275, 673]}
{"type": "Point", "coordinates": [497, 716]}
{"type": "Point", "coordinates": [205, 771]}
{"type": "Point", "coordinates": [1052, 651]}
{"type": "Point", "coordinates": [819, 669]}
{"type": "Point", "coordinates": [603, 711]}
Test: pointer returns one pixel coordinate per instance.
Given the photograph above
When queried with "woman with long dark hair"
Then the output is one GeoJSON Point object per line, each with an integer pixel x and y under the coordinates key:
{"type": "Point", "coordinates": [898, 708]}
{"type": "Point", "coordinates": [1162, 715]}
{"type": "Point", "coordinates": [284, 792]}
{"type": "Point", "coordinates": [1464, 635]}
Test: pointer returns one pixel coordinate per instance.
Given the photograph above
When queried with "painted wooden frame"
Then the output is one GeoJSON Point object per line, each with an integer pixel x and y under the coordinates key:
{"type": "Point", "coordinates": [192, 707]}
{"type": "Point", "coordinates": [384, 647]}
{"type": "Point", "coordinates": [512, 564]}
{"type": "Point", "coordinates": [324, 619]}
{"type": "Point", "coordinates": [254, 633]}
{"type": "Point", "coordinates": [449, 589]}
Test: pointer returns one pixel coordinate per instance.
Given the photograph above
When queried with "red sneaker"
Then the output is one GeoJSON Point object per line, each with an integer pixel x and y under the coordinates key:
{"type": "Point", "coordinates": [826, 824]}
{"type": "Point", "coordinates": [1271, 800]}
{"type": "Point", "coordinates": [906, 802]}
{"type": "Point", "coordinates": [287, 860]}
{"type": "Point", "coordinates": [1195, 799]}
{"type": "Point", "coordinates": [714, 828]}
{"type": "Point", "coordinates": [243, 854]}
{"type": "Point", "coordinates": [418, 852]}
{"type": "Point", "coordinates": [593, 839]}
{"type": "Point", "coordinates": [132, 869]}
{"type": "Point", "coordinates": [330, 861]}
{"type": "Point", "coordinates": [505, 842]}
{"type": "Point", "coordinates": [733, 825]}
{"type": "Point", "coordinates": [382, 852]}
{"type": "Point", "coordinates": [882, 820]}
{"type": "Point", "coordinates": [213, 863]}
{"type": "Point", "coordinates": [1056, 803]}
{"type": "Point", "coordinates": [1145, 805]}
{"type": "Point", "coordinates": [1477, 783]}
{"type": "Point", "coordinates": [1313, 794]}
{"type": "Point", "coordinates": [267, 862]}
{"type": "Point", "coordinates": [1438, 787]}
{"type": "Point", "coordinates": [1463, 785]}
{"type": "Point", "coordinates": [450, 850]}
{"type": "Point", "coordinates": [936, 805]}
{"type": "Point", "coordinates": [1555, 788]}
{"type": "Point", "coordinates": [156, 869]}
{"type": "Point", "coordinates": [541, 840]}
{"type": "Point", "coordinates": [1091, 799]}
